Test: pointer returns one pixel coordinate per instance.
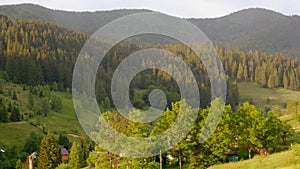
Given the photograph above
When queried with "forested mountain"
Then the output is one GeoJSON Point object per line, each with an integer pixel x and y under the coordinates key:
{"type": "Point", "coordinates": [259, 29]}
{"type": "Point", "coordinates": [33, 52]}
{"type": "Point", "coordinates": [249, 29]}
{"type": "Point", "coordinates": [44, 53]}
{"type": "Point", "coordinates": [38, 50]}
{"type": "Point", "coordinates": [87, 22]}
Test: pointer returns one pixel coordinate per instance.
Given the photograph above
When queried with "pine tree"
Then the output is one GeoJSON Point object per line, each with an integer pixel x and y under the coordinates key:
{"type": "Point", "coordinates": [49, 156]}
{"type": "Point", "coordinates": [1, 88]}
{"type": "Point", "coordinates": [240, 72]}
{"type": "Point", "coordinates": [15, 115]}
{"type": "Point", "coordinates": [76, 156]}
{"type": "Point", "coordinates": [64, 141]}
{"type": "Point", "coordinates": [285, 81]}
{"type": "Point", "coordinates": [3, 115]}
{"type": "Point", "coordinates": [14, 96]}
{"type": "Point", "coordinates": [3, 111]}
{"type": "Point", "coordinates": [45, 106]}
{"type": "Point", "coordinates": [30, 101]}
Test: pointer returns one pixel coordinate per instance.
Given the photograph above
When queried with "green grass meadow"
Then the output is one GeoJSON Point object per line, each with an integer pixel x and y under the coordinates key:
{"type": "Point", "coordinates": [259, 94]}
{"type": "Point", "coordinates": [285, 160]}
{"type": "Point", "coordinates": [64, 122]}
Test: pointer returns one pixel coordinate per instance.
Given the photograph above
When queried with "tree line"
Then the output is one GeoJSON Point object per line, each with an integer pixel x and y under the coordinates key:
{"type": "Point", "coordinates": [245, 133]}
{"type": "Point", "coordinates": [269, 70]}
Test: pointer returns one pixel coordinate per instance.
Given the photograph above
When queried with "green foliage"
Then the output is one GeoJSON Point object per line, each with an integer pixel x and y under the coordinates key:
{"type": "Point", "coordinates": [30, 101]}
{"type": "Point", "coordinates": [256, 133]}
{"type": "Point", "coordinates": [54, 87]}
{"type": "Point", "coordinates": [246, 130]}
{"type": "Point", "coordinates": [270, 71]}
{"type": "Point", "coordinates": [3, 76]}
{"type": "Point", "coordinates": [46, 107]}
{"type": "Point", "coordinates": [250, 126]}
{"type": "Point", "coordinates": [52, 50]}
{"type": "Point", "coordinates": [19, 164]}
{"type": "Point", "coordinates": [15, 114]}
{"type": "Point", "coordinates": [148, 163]}
{"type": "Point", "coordinates": [76, 156]}
{"type": "Point", "coordinates": [4, 116]}
{"type": "Point", "coordinates": [9, 158]}
{"type": "Point", "coordinates": [64, 141]}
{"type": "Point", "coordinates": [49, 157]}
{"type": "Point", "coordinates": [32, 143]}
{"type": "Point", "coordinates": [285, 131]}
{"type": "Point", "coordinates": [64, 166]}
{"type": "Point", "coordinates": [1, 87]}
{"type": "Point", "coordinates": [100, 158]}
{"type": "Point", "coordinates": [14, 95]}
{"type": "Point", "coordinates": [56, 103]}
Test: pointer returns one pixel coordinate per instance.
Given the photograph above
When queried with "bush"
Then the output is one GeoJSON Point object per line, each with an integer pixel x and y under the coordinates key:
{"type": "Point", "coordinates": [64, 166]}
{"type": "Point", "coordinates": [56, 104]}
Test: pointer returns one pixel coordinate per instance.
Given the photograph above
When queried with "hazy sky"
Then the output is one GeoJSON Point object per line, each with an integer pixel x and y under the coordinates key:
{"type": "Point", "coordinates": [181, 8]}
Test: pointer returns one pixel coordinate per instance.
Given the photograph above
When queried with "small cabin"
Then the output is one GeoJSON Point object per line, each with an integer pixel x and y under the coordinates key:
{"type": "Point", "coordinates": [64, 154]}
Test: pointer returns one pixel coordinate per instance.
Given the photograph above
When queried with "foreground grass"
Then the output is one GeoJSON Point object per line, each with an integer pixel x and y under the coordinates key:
{"type": "Point", "coordinates": [259, 94]}
{"type": "Point", "coordinates": [284, 160]}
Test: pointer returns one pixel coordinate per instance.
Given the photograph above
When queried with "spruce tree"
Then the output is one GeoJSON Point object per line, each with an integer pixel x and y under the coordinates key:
{"type": "Point", "coordinates": [3, 111]}
{"type": "Point", "coordinates": [48, 157]}
{"type": "Point", "coordinates": [14, 96]}
{"type": "Point", "coordinates": [76, 156]}
{"type": "Point", "coordinates": [30, 101]}
{"type": "Point", "coordinates": [15, 115]}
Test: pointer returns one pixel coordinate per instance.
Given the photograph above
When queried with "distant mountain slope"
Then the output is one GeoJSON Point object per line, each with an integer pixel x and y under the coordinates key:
{"type": "Point", "coordinates": [259, 29]}
{"type": "Point", "coordinates": [87, 22]}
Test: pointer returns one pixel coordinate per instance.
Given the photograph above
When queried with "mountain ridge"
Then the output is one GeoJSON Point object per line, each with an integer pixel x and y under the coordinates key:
{"type": "Point", "coordinates": [248, 29]}
{"type": "Point", "coordinates": [262, 29]}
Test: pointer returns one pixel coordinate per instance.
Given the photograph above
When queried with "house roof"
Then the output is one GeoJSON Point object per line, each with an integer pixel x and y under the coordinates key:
{"type": "Point", "coordinates": [64, 151]}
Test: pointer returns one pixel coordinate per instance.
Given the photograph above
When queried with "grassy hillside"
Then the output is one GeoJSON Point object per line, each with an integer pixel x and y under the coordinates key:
{"type": "Point", "coordinates": [259, 94]}
{"type": "Point", "coordinates": [284, 160]}
{"type": "Point", "coordinates": [64, 122]}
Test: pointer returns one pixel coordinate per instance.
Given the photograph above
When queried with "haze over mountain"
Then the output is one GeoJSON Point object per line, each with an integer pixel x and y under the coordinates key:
{"type": "Point", "coordinates": [249, 29]}
{"type": "Point", "coordinates": [87, 22]}
{"type": "Point", "coordinates": [260, 29]}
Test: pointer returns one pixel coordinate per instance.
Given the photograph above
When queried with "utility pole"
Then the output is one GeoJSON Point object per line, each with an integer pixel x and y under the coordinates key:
{"type": "Point", "coordinates": [160, 159]}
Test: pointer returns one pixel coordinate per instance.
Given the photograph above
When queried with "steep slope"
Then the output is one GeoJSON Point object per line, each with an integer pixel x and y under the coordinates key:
{"type": "Point", "coordinates": [41, 52]}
